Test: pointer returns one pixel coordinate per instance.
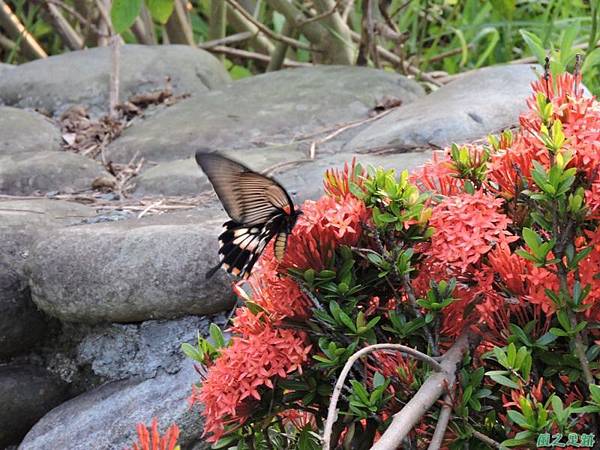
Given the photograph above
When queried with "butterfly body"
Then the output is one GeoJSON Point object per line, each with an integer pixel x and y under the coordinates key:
{"type": "Point", "coordinates": [260, 210]}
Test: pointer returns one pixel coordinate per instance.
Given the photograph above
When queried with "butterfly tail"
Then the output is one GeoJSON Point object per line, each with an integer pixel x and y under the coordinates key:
{"type": "Point", "coordinates": [212, 271]}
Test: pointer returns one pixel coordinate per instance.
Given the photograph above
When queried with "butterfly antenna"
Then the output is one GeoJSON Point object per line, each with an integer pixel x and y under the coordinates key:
{"type": "Point", "coordinates": [212, 271]}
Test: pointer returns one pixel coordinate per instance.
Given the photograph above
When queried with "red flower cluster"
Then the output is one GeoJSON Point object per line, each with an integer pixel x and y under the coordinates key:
{"type": "Point", "coordinates": [151, 440]}
{"type": "Point", "coordinates": [261, 350]}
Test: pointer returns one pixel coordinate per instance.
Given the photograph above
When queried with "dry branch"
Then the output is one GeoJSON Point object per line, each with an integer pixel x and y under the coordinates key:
{"type": "Point", "coordinates": [404, 420]}
{"type": "Point", "coordinates": [178, 26]}
{"type": "Point", "coordinates": [70, 37]}
{"type": "Point", "coordinates": [281, 48]}
{"type": "Point", "coordinates": [233, 39]}
{"type": "Point", "coordinates": [252, 55]}
{"type": "Point", "coordinates": [332, 411]}
{"type": "Point", "coordinates": [266, 30]}
{"type": "Point", "coordinates": [16, 30]}
{"type": "Point", "coordinates": [259, 42]}
{"type": "Point", "coordinates": [442, 424]}
{"type": "Point", "coordinates": [217, 20]}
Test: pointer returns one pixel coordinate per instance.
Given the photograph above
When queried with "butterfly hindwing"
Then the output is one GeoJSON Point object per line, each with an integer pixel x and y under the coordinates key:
{"type": "Point", "coordinates": [241, 246]}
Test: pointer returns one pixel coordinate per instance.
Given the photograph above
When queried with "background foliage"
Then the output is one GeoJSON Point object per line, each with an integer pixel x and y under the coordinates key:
{"type": "Point", "coordinates": [430, 39]}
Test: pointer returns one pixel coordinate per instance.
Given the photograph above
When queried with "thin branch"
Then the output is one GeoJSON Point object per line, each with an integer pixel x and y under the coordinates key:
{"type": "Point", "coordinates": [70, 37]}
{"type": "Point", "coordinates": [7, 43]}
{"type": "Point", "coordinates": [139, 31]}
{"type": "Point", "coordinates": [252, 55]}
{"type": "Point", "coordinates": [281, 48]}
{"type": "Point", "coordinates": [415, 307]}
{"type": "Point", "coordinates": [218, 20]}
{"type": "Point", "coordinates": [266, 30]}
{"type": "Point", "coordinates": [105, 26]}
{"type": "Point", "coordinates": [323, 15]}
{"type": "Point", "coordinates": [178, 26]}
{"type": "Point", "coordinates": [404, 421]}
{"type": "Point", "coordinates": [115, 47]}
{"type": "Point", "coordinates": [233, 39]}
{"type": "Point", "coordinates": [332, 411]}
{"type": "Point", "coordinates": [488, 440]}
{"type": "Point", "coordinates": [76, 15]}
{"type": "Point", "coordinates": [239, 23]}
{"type": "Point", "coordinates": [16, 30]}
{"type": "Point", "coordinates": [442, 424]}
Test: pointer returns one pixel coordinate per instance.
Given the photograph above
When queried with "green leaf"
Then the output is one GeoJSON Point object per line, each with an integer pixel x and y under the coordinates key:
{"type": "Point", "coordinates": [217, 335]}
{"type": "Point", "coordinates": [123, 14]}
{"type": "Point", "coordinates": [546, 339]}
{"type": "Point", "coordinates": [192, 352]}
{"type": "Point", "coordinates": [517, 418]}
{"type": "Point", "coordinates": [535, 45]}
{"type": "Point", "coordinates": [160, 10]}
{"type": "Point", "coordinates": [591, 61]}
{"type": "Point", "coordinates": [503, 380]}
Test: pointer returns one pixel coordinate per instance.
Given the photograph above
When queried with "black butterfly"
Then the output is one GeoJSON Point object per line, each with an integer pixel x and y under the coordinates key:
{"type": "Point", "coordinates": [260, 208]}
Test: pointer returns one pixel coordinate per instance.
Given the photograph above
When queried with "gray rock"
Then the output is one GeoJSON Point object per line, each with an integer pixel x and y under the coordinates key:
{"type": "Point", "coordinates": [26, 394]}
{"type": "Point", "coordinates": [106, 417]}
{"type": "Point", "coordinates": [184, 177]}
{"type": "Point", "coordinates": [471, 107]}
{"type": "Point", "coordinates": [121, 351]}
{"type": "Point", "coordinates": [268, 109]}
{"type": "Point", "coordinates": [21, 324]}
{"type": "Point", "coordinates": [82, 77]}
{"type": "Point", "coordinates": [132, 270]}
{"type": "Point", "coordinates": [302, 177]}
{"type": "Point", "coordinates": [26, 131]}
{"type": "Point", "coordinates": [5, 67]}
{"type": "Point", "coordinates": [21, 222]}
{"type": "Point", "coordinates": [47, 171]}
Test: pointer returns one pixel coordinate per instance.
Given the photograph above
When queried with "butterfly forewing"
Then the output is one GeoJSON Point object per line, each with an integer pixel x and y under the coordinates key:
{"type": "Point", "coordinates": [248, 197]}
{"type": "Point", "coordinates": [259, 206]}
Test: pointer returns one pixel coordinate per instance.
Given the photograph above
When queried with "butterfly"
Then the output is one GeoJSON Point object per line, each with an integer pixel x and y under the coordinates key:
{"type": "Point", "coordinates": [259, 207]}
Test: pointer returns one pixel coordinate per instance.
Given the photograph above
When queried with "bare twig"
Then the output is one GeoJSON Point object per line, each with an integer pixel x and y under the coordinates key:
{"type": "Point", "coordinates": [218, 20]}
{"type": "Point", "coordinates": [115, 46]}
{"type": "Point", "coordinates": [341, 129]}
{"type": "Point", "coordinates": [178, 26]}
{"type": "Point", "coordinates": [266, 30]}
{"type": "Point", "coordinates": [70, 37]}
{"type": "Point", "coordinates": [7, 43]}
{"type": "Point", "coordinates": [281, 48]}
{"type": "Point", "coordinates": [104, 26]}
{"type": "Point", "coordinates": [426, 396]}
{"type": "Point", "coordinates": [442, 424]}
{"type": "Point", "coordinates": [234, 38]}
{"type": "Point", "coordinates": [332, 411]}
{"type": "Point", "coordinates": [488, 440]}
{"type": "Point", "coordinates": [76, 15]}
{"type": "Point", "coordinates": [252, 55]}
{"type": "Point", "coordinates": [239, 23]}
{"type": "Point", "coordinates": [323, 15]}
{"type": "Point", "coordinates": [16, 30]}
{"type": "Point", "coordinates": [139, 31]}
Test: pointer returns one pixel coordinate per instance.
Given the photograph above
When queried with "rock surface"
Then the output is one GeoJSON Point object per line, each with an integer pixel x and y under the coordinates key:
{"type": "Point", "coordinates": [130, 270]}
{"type": "Point", "coordinates": [106, 417]}
{"type": "Point", "coordinates": [47, 171]}
{"type": "Point", "coordinates": [26, 394]}
{"type": "Point", "coordinates": [21, 222]}
{"type": "Point", "coordinates": [268, 109]}
{"type": "Point", "coordinates": [82, 77]}
{"type": "Point", "coordinates": [21, 324]}
{"type": "Point", "coordinates": [471, 107]}
{"type": "Point", "coordinates": [26, 131]}
{"type": "Point", "coordinates": [120, 351]}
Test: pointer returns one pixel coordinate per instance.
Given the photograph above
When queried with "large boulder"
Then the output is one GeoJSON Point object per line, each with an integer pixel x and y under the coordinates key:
{"type": "Point", "coordinates": [47, 171]}
{"type": "Point", "coordinates": [273, 108]}
{"type": "Point", "coordinates": [131, 270]}
{"type": "Point", "coordinates": [302, 177]}
{"type": "Point", "coordinates": [82, 77]}
{"type": "Point", "coordinates": [21, 223]}
{"type": "Point", "coordinates": [26, 131]}
{"type": "Point", "coordinates": [106, 417]}
{"type": "Point", "coordinates": [26, 394]}
{"type": "Point", "coordinates": [482, 102]}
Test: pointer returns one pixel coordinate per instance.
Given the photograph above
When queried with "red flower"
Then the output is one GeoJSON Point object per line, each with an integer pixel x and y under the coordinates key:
{"type": "Point", "coordinates": [153, 441]}
{"type": "Point", "coordinates": [467, 227]}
